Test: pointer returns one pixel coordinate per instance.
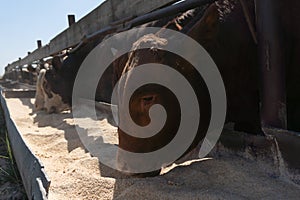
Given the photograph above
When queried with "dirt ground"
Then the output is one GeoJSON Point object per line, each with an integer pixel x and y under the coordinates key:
{"type": "Point", "coordinates": [75, 174]}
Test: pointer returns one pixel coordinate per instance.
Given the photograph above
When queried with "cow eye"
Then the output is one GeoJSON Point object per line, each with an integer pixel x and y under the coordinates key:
{"type": "Point", "coordinates": [148, 98]}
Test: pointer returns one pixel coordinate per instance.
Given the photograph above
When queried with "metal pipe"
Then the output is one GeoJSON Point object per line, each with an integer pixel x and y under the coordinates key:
{"type": "Point", "coordinates": [122, 21]}
{"type": "Point", "coordinates": [271, 62]}
{"type": "Point", "coordinates": [168, 11]}
{"type": "Point", "coordinates": [86, 39]}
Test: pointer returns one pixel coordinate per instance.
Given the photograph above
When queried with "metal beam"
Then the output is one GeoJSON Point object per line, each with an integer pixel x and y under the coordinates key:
{"type": "Point", "coordinates": [271, 61]}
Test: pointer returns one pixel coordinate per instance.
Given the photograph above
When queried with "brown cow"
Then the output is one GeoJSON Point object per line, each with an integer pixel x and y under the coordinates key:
{"type": "Point", "coordinates": [225, 35]}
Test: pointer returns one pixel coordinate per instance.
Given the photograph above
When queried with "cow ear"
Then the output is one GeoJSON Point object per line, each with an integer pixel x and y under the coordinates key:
{"type": "Point", "coordinates": [56, 63]}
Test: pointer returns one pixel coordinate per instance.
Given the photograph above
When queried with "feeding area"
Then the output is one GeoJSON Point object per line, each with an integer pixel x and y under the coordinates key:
{"type": "Point", "coordinates": [160, 100]}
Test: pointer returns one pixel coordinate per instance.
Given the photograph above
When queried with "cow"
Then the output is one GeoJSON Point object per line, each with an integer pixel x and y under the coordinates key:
{"type": "Point", "coordinates": [61, 77]}
{"type": "Point", "coordinates": [45, 99]}
{"type": "Point", "coordinates": [224, 33]}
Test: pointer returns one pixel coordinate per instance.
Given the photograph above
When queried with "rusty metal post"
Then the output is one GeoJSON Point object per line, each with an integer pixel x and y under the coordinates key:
{"type": "Point", "coordinates": [271, 61]}
{"type": "Point", "coordinates": [39, 43]}
{"type": "Point", "coordinates": [71, 19]}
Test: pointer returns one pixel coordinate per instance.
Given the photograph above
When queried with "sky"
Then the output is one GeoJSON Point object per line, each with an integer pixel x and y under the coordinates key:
{"type": "Point", "coordinates": [23, 22]}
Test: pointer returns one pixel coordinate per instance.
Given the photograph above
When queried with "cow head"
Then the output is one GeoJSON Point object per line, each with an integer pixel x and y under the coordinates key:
{"type": "Point", "coordinates": [149, 95]}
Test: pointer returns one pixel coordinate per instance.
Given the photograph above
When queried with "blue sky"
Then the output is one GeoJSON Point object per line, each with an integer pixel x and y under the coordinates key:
{"type": "Point", "coordinates": [23, 22]}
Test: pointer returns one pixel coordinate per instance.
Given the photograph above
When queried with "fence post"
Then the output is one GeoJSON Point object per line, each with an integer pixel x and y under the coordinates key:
{"type": "Point", "coordinates": [71, 19]}
{"type": "Point", "coordinates": [39, 43]}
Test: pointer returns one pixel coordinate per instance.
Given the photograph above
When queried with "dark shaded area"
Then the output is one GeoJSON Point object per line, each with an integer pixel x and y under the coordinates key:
{"type": "Point", "coordinates": [289, 19]}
